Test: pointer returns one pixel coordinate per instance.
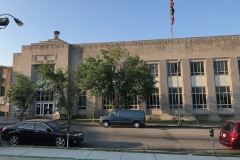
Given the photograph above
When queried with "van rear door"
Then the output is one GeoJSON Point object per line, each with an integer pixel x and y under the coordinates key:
{"type": "Point", "coordinates": [226, 133]}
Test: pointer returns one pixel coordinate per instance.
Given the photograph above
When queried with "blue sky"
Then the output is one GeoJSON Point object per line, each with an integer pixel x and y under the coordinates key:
{"type": "Point", "coordinates": [90, 21]}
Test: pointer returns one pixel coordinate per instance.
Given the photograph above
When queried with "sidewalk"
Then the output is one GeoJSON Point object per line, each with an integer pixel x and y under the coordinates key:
{"type": "Point", "coordinates": [27, 153]}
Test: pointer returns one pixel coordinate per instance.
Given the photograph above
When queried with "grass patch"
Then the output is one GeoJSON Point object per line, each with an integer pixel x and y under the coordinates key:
{"type": "Point", "coordinates": [218, 123]}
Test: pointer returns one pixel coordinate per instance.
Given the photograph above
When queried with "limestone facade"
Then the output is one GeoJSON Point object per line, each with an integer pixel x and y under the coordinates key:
{"type": "Point", "coordinates": [216, 86]}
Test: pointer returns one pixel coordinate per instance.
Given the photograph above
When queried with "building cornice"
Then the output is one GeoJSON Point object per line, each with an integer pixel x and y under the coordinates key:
{"type": "Point", "coordinates": [159, 41]}
{"type": "Point", "coordinates": [50, 44]}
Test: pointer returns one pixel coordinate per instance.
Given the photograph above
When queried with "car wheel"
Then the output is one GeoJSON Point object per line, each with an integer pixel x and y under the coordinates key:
{"type": "Point", "coordinates": [136, 124]}
{"type": "Point", "coordinates": [13, 140]}
{"type": "Point", "coordinates": [106, 124]}
{"type": "Point", "coordinates": [60, 142]}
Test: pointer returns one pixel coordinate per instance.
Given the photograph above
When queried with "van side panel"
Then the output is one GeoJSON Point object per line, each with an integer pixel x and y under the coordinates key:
{"type": "Point", "coordinates": [127, 117]}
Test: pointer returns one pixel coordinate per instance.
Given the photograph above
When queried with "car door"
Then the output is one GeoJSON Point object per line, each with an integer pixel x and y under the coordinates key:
{"type": "Point", "coordinates": [43, 133]}
{"type": "Point", "coordinates": [26, 132]}
{"type": "Point", "coordinates": [114, 118]}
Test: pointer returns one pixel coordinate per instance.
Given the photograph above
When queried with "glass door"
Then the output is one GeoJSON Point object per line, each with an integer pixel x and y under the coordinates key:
{"type": "Point", "coordinates": [43, 109]}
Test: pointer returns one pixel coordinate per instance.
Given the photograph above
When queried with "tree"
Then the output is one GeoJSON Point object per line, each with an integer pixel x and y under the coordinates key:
{"type": "Point", "coordinates": [117, 76]}
{"type": "Point", "coordinates": [22, 94]}
{"type": "Point", "coordinates": [63, 83]}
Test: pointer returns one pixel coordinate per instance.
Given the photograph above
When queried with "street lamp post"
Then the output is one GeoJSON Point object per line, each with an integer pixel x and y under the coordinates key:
{"type": "Point", "coordinates": [5, 21]}
{"type": "Point", "coordinates": [179, 113]}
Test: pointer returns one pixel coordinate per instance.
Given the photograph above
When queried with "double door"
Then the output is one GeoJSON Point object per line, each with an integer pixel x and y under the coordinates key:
{"type": "Point", "coordinates": [43, 109]}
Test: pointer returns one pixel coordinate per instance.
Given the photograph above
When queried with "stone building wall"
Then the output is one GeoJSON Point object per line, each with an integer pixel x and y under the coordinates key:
{"type": "Point", "coordinates": [206, 49]}
{"type": "Point", "coordinates": [5, 83]}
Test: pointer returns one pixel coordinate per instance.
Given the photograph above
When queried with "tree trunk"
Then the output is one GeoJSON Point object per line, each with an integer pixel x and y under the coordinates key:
{"type": "Point", "coordinates": [69, 118]}
{"type": "Point", "coordinates": [24, 109]}
{"type": "Point", "coordinates": [21, 117]}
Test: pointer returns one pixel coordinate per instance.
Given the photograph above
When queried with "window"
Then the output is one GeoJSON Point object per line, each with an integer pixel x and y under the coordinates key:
{"type": "Point", "coordinates": [223, 97]}
{"type": "Point", "coordinates": [82, 101]}
{"type": "Point", "coordinates": [55, 126]}
{"type": "Point", "coordinates": [45, 95]}
{"type": "Point", "coordinates": [239, 66]}
{"type": "Point", "coordinates": [153, 101]}
{"type": "Point", "coordinates": [28, 125]}
{"type": "Point", "coordinates": [174, 69]}
{"type": "Point", "coordinates": [134, 104]}
{"type": "Point", "coordinates": [229, 127]}
{"type": "Point", "coordinates": [154, 69]}
{"type": "Point", "coordinates": [114, 113]}
{"type": "Point", "coordinates": [107, 104]}
{"type": "Point", "coordinates": [40, 126]}
{"type": "Point", "coordinates": [2, 92]}
{"type": "Point", "coordinates": [197, 68]}
{"type": "Point", "coordinates": [199, 97]}
{"type": "Point", "coordinates": [175, 98]}
{"type": "Point", "coordinates": [221, 67]}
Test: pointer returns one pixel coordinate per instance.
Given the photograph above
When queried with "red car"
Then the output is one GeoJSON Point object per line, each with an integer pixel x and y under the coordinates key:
{"type": "Point", "coordinates": [230, 134]}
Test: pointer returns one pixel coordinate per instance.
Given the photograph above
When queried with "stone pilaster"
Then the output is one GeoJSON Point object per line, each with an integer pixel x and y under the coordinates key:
{"type": "Point", "coordinates": [163, 86]}
{"type": "Point", "coordinates": [235, 86]}
{"type": "Point", "coordinates": [210, 90]}
{"type": "Point", "coordinates": [187, 93]}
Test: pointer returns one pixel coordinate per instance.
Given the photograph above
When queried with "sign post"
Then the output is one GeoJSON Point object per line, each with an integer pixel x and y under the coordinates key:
{"type": "Point", "coordinates": [211, 131]}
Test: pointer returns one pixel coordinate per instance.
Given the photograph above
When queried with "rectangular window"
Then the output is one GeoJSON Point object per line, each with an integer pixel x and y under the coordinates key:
{"type": "Point", "coordinates": [82, 100]}
{"type": "Point", "coordinates": [2, 92]}
{"type": "Point", "coordinates": [174, 69]}
{"type": "Point", "coordinates": [221, 67]}
{"type": "Point", "coordinates": [197, 68]}
{"type": "Point", "coordinates": [199, 97]}
{"type": "Point", "coordinates": [107, 104]}
{"type": "Point", "coordinates": [175, 98]}
{"type": "Point", "coordinates": [239, 66]}
{"type": "Point", "coordinates": [134, 103]}
{"type": "Point", "coordinates": [154, 69]}
{"type": "Point", "coordinates": [223, 97]}
{"type": "Point", "coordinates": [45, 95]}
{"type": "Point", "coordinates": [153, 101]}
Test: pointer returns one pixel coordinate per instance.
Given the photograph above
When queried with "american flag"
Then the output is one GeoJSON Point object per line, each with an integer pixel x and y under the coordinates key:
{"type": "Point", "coordinates": [172, 11]}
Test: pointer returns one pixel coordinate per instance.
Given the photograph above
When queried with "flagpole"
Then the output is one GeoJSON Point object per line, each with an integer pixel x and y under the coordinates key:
{"type": "Point", "coordinates": [171, 16]}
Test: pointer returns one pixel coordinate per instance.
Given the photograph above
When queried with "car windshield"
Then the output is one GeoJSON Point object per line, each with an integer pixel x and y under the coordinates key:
{"type": "Point", "coordinates": [55, 126]}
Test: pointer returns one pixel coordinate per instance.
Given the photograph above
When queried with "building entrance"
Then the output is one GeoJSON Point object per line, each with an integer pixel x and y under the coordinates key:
{"type": "Point", "coordinates": [43, 109]}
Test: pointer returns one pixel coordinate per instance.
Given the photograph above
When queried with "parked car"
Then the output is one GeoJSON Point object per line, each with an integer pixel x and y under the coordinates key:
{"type": "Point", "coordinates": [230, 134]}
{"type": "Point", "coordinates": [136, 118]}
{"type": "Point", "coordinates": [40, 131]}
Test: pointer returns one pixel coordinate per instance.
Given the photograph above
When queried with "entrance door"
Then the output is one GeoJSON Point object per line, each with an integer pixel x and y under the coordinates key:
{"type": "Point", "coordinates": [43, 109]}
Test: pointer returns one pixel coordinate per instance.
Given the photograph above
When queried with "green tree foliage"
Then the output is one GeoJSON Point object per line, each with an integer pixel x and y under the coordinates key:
{"type": "Point", "coordinates": [117, 76]}
{"type": "Point", "coordinates": [22, 94]}
{"type": "Point", "coordinates": [63, 83]}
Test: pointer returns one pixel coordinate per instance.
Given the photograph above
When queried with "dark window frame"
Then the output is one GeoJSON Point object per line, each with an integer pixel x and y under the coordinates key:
{"type": "Point", "coordinates": [197, 68]}
{"type": "Point", "coordinates": [199, 99]}
{"type": "Point", "coordinates": [173, 97]}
